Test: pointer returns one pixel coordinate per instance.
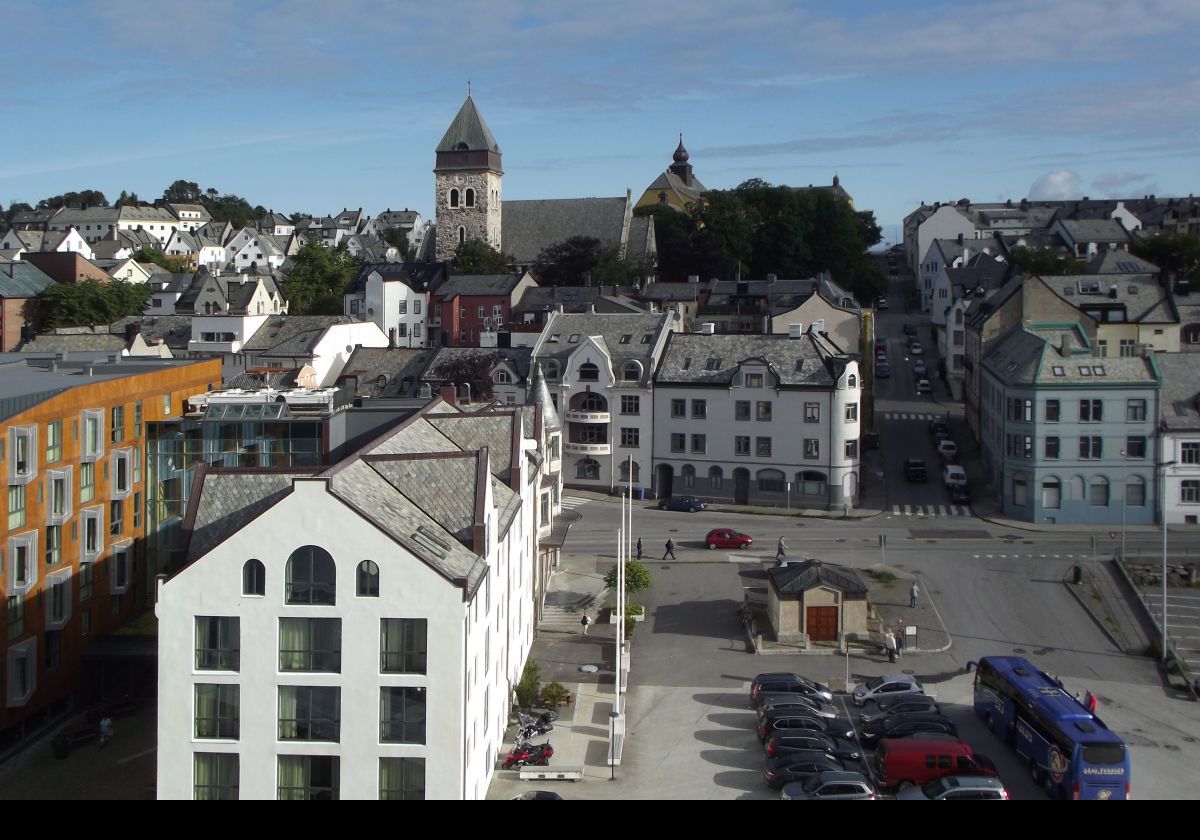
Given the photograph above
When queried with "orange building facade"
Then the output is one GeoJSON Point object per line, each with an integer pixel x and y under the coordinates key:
{"type": "Point", "coordinates": [72, 555]}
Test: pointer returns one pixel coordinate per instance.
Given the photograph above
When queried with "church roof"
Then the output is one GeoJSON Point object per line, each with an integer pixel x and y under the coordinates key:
{"type": "Point", "coordinates": [468, 127]}
{"type": "Point", "coordinates": [531, 226]}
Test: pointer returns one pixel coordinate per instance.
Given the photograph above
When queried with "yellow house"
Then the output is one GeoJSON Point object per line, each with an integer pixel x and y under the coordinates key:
{"type": "Point", "coordinates": [676, 187]}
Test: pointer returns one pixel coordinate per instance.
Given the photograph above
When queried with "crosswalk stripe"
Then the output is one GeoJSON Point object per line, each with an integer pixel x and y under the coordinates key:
{"type": "Point", "coordinates": [896, 509]}
{"type": "Point", "coordinates": [931, 510]}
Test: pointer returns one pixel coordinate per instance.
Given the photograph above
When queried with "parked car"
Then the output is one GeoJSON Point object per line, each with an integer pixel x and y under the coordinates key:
{"type": "Point", "coordinates": [883, 370]}
{"type": "Point", "coordinates": [779, 682]}
{"type": "Point", "coordinates": [948, 450]}
{"type": "Point", "coordinates": [938, 426]}
{"type": "Point", "coordinates": [924, 386]}
{"type": "Point", "coordinates": [787, 721]}
{"type": "Point", "coordinates": [957, 787]}
{"type": "Point", "coordinates": [902, 726]}
{"type": "Point", "coordinates": [785, 742]}
{"type": "Point", "coordinates": [915, 761]}
{"type": "Point", "coordinates": [881, 303]}
{"type": "Point", "coordinates": [831, 784]}
{"type": "Point", "coordinates": [796, 767]}
{"type": "Point", "coordinates": [688, 503]}
{"type": "Point", "coordinates": [914, 470]}
{"type": "Point", "coordinates": [878, 688]}
{"type": "Point", "coordinates": [919, 368]}
{"type": "Point", "coordinates": [959, 495]}
{"type": "Point", "coordinates": [954, 475]}
{"type": "Point", "coordinates": [910, 330]}
{"type": "Point", "coordinates": [799, 703]}
{"type": "Point", "coordinates": [880, 341]}
{"type": "Point", "coordinates": [727, 538]}
{"type": "Point", "coordinates": [881, 352]}
{"type": "Point", "coordinates": [901, 704]}
{"type": "Point", "coordinates": [532, 795]}
{"type": "Point", "coordinates": [915, 348]}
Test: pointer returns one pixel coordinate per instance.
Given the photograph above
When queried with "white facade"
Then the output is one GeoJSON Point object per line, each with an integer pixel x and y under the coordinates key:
{"type": "Point", "coordinates": [254, 251]}
{"type": "Point", "coordinates": [330, 353]}
{"type": "Point", "coordinates": [129, 271]}
{"type": "Point", "coordinates": [394, 305]}
{"type": "Point", "coordinates": [947, 222]}
{"type": "Point", "coordinates": [1182, 478]}
{"type": "Point", "coordinates": [223, 335]}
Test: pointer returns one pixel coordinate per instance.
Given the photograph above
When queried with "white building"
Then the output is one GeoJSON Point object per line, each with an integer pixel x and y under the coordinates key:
{"type": "Point", "coordinates": [1179, 438]}
{"type": "Point", "coordinates": [354, 633]}
{"type": "Point", "coordinates": [758, 419]}
{"type": "Point", "coordinates": [925, 224]}
{"type": "Point", "coordinates": [323, 342]}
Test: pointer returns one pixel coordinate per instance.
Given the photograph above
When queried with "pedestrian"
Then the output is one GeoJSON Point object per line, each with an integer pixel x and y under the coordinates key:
{"type": "Point", "coordinates": [900, 641]}
{"type": "Point", "coordinates": [670, 549]}
{"type": "Point", "coordinates": [781, 550]}
{"type": "Point", "coordinates": [639, 549]}
{"type": "Point", "coordinates": [1089, 702]}
{"type": "Point", "coordinates": [586, 622]}
{"type": "Point", "coordinates": [889, 644]}
{"type": "Point", "coordinates": [106, 730]}
{"type": "Point", "coordinates": [913, 594]}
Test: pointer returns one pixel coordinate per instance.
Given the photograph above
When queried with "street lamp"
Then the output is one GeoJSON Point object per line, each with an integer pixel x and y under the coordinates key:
{"type": "Point", "coordinates": [1162, 505]}
{"type": "Point", "coordinates": [1124, 493]}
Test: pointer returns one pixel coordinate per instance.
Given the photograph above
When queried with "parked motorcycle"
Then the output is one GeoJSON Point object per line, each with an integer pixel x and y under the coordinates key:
{"type": "Point", "coordinates": [537, 724]}
{"type": "Point", "coordinates": [537, 755]}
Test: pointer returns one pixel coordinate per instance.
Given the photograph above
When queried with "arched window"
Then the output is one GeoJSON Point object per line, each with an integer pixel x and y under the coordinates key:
{"type": "Point", "coordinates": [462, 235]}
{"type": "Point", "coordinates": [367, 580]}
{"type": "Point", "coordinates": [688, 476]}
{"type": "Point", "coordinates": [588, 372]}
{"type": "Point", "coordinates": [810, 483]}
{"type": "Point", "coordinates": [715, 477]}
{"type": "Point", "coordinates": [461, 147]}
{"type": "Point", "coordinates": [637, 471]}
{"type": "Point", "coordinates": [470, 196]}
{"type": "Point", "coordinates": [453, 198]}
{"type": "Point", "coordinates": [311, 577]}
{"type": "Point", "coordinates": [502, 377]}
{"type": "Point", "coordinates": [254, 578]}
{"type": "Point", "coordinates": [771, 481]}
{"type": "Point", "coordinates": [1135, 491]}
{"type": "Point", "coordinates": [1098, 491]}
{"type": "Point", "coordinates": [632, 372]}
{"type": "Point", "coordinates": [852, 381]}
{"type": "Point", "coordinates": [550, 369]}
{"type": "Point", "coordinates": [593, 402]}
{"type": "Point", "coordinates": [588, 468]}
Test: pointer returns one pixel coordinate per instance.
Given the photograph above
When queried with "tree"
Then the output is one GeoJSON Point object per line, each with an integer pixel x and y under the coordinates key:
{"type": "Point", "coordinates": [183, 191]}
{"type": "Point", "coordinates": [397, 237]}
{"type": "Point", "coordinates": [318, 279]}
{"type": "Point", "coordinates": [13, 209]}
{"type": "Point", "coordinates": [89, 302]}
{"type": "Point", "coordinates": [178, 265]}
{"type": "Point", "coordinates": [474, 369]}
{"type": "Point", "coordinates": [89, 198]}
{"type": "Point", "coordinates": [128, 198]}
{"type": "Point", "coordinates": [1176, 253]}
{"type": "Point", "coordinates": [637, 577]}
{"type": "Point", "coordinates": [476, 257]}
{"type": "Point", "coordinates": [1031, 261]}
{"type": "Point", "coordinates": [568, 263]}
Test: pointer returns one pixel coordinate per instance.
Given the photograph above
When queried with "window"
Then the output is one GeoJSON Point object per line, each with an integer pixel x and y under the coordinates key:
{"type": "Point", "coordinates": [1052, 411]}
{"type": "Point", "coordinates": [715, 477]}
{"type": "Point", "coordinates": [93, 520]}
{"type": "Point", "coordinates": [87, 482]}
{"type": "Point", "coordinates": [688, 476]}
{"type": "Point", "coordinates": [1052, 448]}
{"type": "Point", "coordinates": [402, 715]}
{"type": "Point", "coordinates": [453, 198]}
{"type": "Point", "coordinates": [741, 445]}
{"type": "Point", "coordinates": [470, 197]}
{"type": "Point", "coordinates": [1135, 411]}
{"type": "Point", "coordinates": [1091, 411]}
{"type": "Point", "coordinates": [416, 307]}
{"type": "Point", "coordinates": [1135, 447]}
{"type": "Point", "coordinates": [752, 380]}
{"type": "Point", "coordinates": [771, 481]}
{"type": "Point", "coordinates": [1102, 348]}
{"type": "Point", "coordinates": [137, 419]}
{"type": "Point", "coordinates": [217, 711]}
{"type": "Point", "coordinates": [403, 645]}
{"type": "Point", "coordinates": [117, 432]}
{"type": "Point", "coordinates": [763, 410]}
{"type": "Point", "coordinates": [852, 413]}
{"type": "Point", "coordinates": [53, 545]}
{"type": "Point", "coordinates": [23, 464]}
{"type": "Point", "coordinates": [308, 777]}
{"type": "Point", "coordinates": [367, 580]}
{"type": "Point", "coordinates": [852, 449]}
{"type": "Point", "coordinates": [588, 372]}
{"type": "Point", "coordinates": [254, 578]}
{"type": "Point", "coordinates": [741, 410]}
{"type": "Point", "coordinates": [1098, 492]}
{"type": "Point", "coordinates": [762, 447]}
{"type": "Point", "coordinates": [1091, 447]}
{"type": "Point", "coordinates": [699, 409]}
{"type": "Point", "coordinates": [1051, 494]}
{"type": "Point", "coordinates": [215, 776]}
{"type": "Point", "coordinates": [699, 444]}
{"type": "Point", "coordinates": [53, 642]}
{"type": "Point", "coordinates": [310, 644]}
{"type": "Point", "coordinates": [625, 339]}
{"type": "Point", "coordinates": [16, 506]}
{"type": "Point", "coordinates": [166, 405]}
{"type": "Point", "coordinates": [588, 468]}
{"type": "Point", "coordinates": [15, 613]}
{"type": "Point", "coordinates": [85, 582]}
{"type": "Point", "coordinates": [1135, 491]}
{"type": "Point", "coordinates": [137, 511]}
{"type": "Point", "coordinates": [1189, 452]}
{"type": "Point", "coordinates": [401, 778]}
{"type": "Point", "coordinates": [54, 442]}
{"type": "Point", "coordinates": [218, 640]}
{"type": "Point", "coordinates": [309, 713]}
{"type": "Point", "coordinates": [1026, 442]}
{"type": "Point", "coordinates": [631, 404]}
{"type": "Point", "coordinates": [311, 577]}
{"type": "Point", "coordinates": [1020, 492]}
{"type": "Point", "coordinates": [631, 372]}
{"type": "Point", "coordinates": [1127, 347]}
{"type": "Point", "coordinates": [630, 437]}
{"type": "Point", "coordinates": [679, 408]}
{"type": "Point", "coordinates": [479, 312]}
{"type": "Point", "coordinates": [678, 442]}
{"type": "Point", "coordinates": [812, 448]}
{"type": "Point", "coordinates": [812, 412]}
{"type": "Point", "coordinates": [1189, 493]}
{"type": "Point", "coordinates": [116, 517]}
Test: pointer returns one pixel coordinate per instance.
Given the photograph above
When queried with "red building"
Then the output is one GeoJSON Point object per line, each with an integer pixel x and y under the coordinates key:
{"type": "Point", "coordinates": [466, 305]}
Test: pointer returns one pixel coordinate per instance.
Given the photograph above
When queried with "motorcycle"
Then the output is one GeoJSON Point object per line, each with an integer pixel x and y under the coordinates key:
{"type": "Point", "coordinates": [536, 724]}
{"type": "Point", "coordinates": [523, 753]}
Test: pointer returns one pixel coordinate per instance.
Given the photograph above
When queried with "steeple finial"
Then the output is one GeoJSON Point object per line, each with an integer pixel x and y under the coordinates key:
{"type": "Point", "coordinates": [469, 89]}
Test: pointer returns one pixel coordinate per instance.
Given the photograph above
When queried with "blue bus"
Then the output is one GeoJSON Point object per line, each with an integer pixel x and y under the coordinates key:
{"type": "Point", "coordinates": [1070, 751]}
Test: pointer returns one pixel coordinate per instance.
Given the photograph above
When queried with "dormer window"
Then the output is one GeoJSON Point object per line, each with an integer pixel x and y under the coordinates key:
{"type": "Point", "coordinates": [573, 339]}
{"type": "Point", "coordinates": [588, 372]}
{"type": "Point", "coordinates": [625, 339]}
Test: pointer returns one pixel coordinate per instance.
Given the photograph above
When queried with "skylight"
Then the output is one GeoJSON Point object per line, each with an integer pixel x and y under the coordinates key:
{"type": "Point", "coordinates": [625, 339]}
{"type": "Point", "coordinates": [574, 339]}
{"type": "Point", "coordinates": [1098, 370]}
{"type": "Point", "coordinates": [687, 362]}
{"type": "Point", "coordinates": [1058, 370]}
{"type": "Point", "coordinates": [713, 364]}
{"type": "Point", "coordinates": [1084, 370]}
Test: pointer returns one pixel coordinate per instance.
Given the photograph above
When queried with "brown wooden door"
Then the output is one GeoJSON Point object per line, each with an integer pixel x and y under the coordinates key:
{"type": "Point", "coordinates": [822, 624]}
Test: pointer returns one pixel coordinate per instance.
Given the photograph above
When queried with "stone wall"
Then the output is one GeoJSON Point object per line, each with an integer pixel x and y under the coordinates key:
{"type": "Point", "coordinates": [481, 222]}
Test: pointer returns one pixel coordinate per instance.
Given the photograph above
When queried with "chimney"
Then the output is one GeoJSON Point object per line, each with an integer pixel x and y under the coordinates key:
{"type": "Point", "coordinates": [1112, 291]}
{"type": "Point", "coordinates": [771, 278]}
{"type": "Point", "coordinates": [391, 338]}
{"type": "Point", "coordinates": [693, 278]}
{"type": "Point", "coordinates": [446, 392]}
{"type": "Point", "coordinates": [708, 328]}
{"type": "Point", "coordinates": [795, 330]}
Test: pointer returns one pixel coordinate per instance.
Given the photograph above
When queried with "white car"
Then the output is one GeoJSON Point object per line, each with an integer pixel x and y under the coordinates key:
{"type": "Point", "coordinates": [890, 685]}
{"type": "Point", "coordinates": [948, 449]}
{"type": "Point", "coordinates": [924, 386]}
{"type": "Point", "coordinates": [953, 474]}
{"type": "Point", "coordinates": [916, 349]}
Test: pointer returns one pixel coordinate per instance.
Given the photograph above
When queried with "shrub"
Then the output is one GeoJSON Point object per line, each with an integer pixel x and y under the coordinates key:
{"type": "Point", "coordinates": [527, 688]}
{"type": "Point", "coordinates": [555, 694]}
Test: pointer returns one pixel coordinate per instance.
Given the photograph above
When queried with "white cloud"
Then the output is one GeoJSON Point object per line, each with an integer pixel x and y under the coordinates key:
{"type": "Point", "coordinates": [1057, 185]}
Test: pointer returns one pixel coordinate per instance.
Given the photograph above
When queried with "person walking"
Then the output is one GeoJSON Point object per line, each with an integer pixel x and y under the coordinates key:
{"type": "Point", "coordinates": [781, 550]}
{"type": "Point", "coordinates": [106, 730]}
{"type": "Point", "coordinates": [889, 644]}
{"type": "Point", "coordinates": [913, 594]}
{"type": "Point", "coordinates": [670, 549]}
{"type": "Point", "coordinates": [900, 641]}
{"type": "Point", "coordinates": [586, 622]}
{"type": "Point", "coordinates": [639, 549]}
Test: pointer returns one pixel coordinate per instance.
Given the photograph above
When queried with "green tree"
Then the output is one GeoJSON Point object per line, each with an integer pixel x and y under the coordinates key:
{"type": "Point", "coordinates": [397, 237]}
{"type": "Point", "coordinates": [474, 369]}
{"type": "Point", "coordinates": [177, 265]}
{"type": "Point", "coordinates": [183, 191]}
{"type": "Point", "coordinates": [1177, 253]}
{"type": "Point", "coordinates": [476, 257]}
{"type": "Point", "coordinates": [128, 198]}
{"type": "Point", "coordinates": [568, 263]}
{"type": "Point", "coordinates": [90, 302]}
{"type": "Point", "coordinates": [91, 198]}
{"type": "Point", "coordinates": [13, 209]}
{"type": "Point", "coordinates": [1040, 262]}
{"type": "Point", "coordinates": [637, 577]}
{"type": "Point", "coordinates": [318, 279]}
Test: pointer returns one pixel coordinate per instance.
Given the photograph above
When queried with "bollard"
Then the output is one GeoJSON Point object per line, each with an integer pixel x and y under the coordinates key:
{"type": "Point", "coordinates": [1077, 574]}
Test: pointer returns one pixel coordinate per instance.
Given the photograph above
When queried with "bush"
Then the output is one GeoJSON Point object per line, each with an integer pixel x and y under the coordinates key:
{"type": "Point", "coordinates": [637, 577]}
{"type": "Point", "coordinates": [527, 688]}
{"type": "Point", "coordinates": [555, 694]}
{"type": "Point", "coordinates": [630, 624]}
{"type": "Point", "coordinates": [634, 609]}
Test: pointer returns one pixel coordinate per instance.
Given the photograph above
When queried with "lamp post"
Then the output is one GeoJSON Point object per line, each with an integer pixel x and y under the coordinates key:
{"type": "Point", "coordinates": [1124, 493]}
{"type": "Point", "coordinates": [1162, 505]}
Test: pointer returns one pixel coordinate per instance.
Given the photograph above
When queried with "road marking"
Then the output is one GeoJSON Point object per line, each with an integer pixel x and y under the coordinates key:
{"type": "Point", "coordinates": [572, 502]}
{"type": "Point", "coordinates": [896, 509]}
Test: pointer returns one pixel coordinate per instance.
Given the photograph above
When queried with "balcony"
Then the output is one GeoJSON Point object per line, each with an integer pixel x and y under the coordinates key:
{"type": "Point", "coordinates": [575, 416]}
{"type": "Point", "coordinates": [215, 344]}
{"type": "Point", "coordinates": [587, 448]}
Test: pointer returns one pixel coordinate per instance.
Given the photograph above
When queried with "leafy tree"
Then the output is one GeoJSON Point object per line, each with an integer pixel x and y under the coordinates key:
{"type": "Point", "coordinates": [568, 263]}
{"type": "Point", "coordinates": [866, 280]}
{"type": "Point", "coordinates": [92, 198]}
{"type": "Point", "coordinates": [476, 257]}
{"type": "Point", "coordinates": [637, 577]}
{"type": "Point", "coordinates": [90, 302]}
{"type": "Point", "coordinates": [183, 191]}
{"type": "Point", "coordinates": [1036, 261]}
{"type": "Point", "coordinates": [318, 279]}
{"type": "Point", "coordinates": [230, 208]}
{"type": "Point", "coordinates": [13, 209]}
{"type": "Point", "coordinates": [474, 369]}
{"type": "Point", "coordinates": [1178, 253]}
{"type": "Point", "coordinates": [128, 198]}
{"type": "Point", "coordinates": [397, 237]}
{"type": "Point", "coordinates": [177, 265]}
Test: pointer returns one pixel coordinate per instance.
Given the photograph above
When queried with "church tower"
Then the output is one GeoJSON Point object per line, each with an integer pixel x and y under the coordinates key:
{"type": "Point", "coordinates": [467, 176]}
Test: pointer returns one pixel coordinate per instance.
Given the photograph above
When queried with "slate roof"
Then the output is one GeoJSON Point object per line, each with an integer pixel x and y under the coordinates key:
{"type": "Point", "coordinates": [1143, 297]}
{"type": "Point", "coordinates": [256, 379]}
{"type": "Point", "coordinates": [983, 271]}
{"type": "Point", "coordinates": [468, 127]}
{"type": "Point", "coordinates": [20, 279]}
{"type": "Point", "coordinates": [476, 284]}
{"type": "Point", "coordinates": [291, 335]}
{"type": "Point", "coordinates": [418, 276]}
{"type": "Point", "coordinates": [89, 341]}
{"type": "Point", "coordinates": [668, 180]}
{"type": "Point", "coordinates": [383, 372]}
{"type": "Point", "coordinates": [1060, 354]}
{"type": "Point", "coordinates": [539, 393]}
{"type": "Point", "coordinates": [660, 291]}
{"type": "Point", "coordinates": [529, 227]}
{"type": "Point", "coordinates": [398, 218]}
{"type": "Point", "coordinates": [698, 359]}
{"type": "Point", "coordinates": [476, 431]}
{"type": "Point", "coordinates": [1095, 230]}
{"type": "Point", "coordinates": [518, 358]}
{"type": "Point", "coordinates": [809, 574]}
{"type": "Point", "coordinates": [980, 310]}
{"type": "Point", "coordinates": [1117, 261]}
{"type": "Point", "coordinates": [229, 501]}
{"type": "Point", "coordinates": [641, 249]}
{"type": "Point", "coordinates": [570, 298]}
{"type": "Point", "coordinates": [175, 331]}
{"type": "Point", "coordinates": [608, 330]}
{"type": "Point", "coordinates": [443, 487]}
{"type": "Point", "coordinates": [1180, 398]}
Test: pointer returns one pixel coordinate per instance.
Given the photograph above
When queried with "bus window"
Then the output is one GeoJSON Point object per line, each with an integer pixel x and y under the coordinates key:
{"type": "Point", "coordinates": [1104, 753]}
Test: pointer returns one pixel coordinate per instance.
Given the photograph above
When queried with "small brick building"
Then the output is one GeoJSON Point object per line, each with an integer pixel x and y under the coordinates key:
{"type": "Point", "coordinates": [810, 601]}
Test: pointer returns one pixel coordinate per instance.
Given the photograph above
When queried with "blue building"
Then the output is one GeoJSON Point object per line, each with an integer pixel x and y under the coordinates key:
{"type": "Point", "coordinates": [1067, 436]}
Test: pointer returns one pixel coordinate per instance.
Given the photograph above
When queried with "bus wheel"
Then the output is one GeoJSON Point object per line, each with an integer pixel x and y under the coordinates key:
{"type": "Point", "coordinates": [1035, 771]}
{"type": "Point", "coordinates": [1048, 784]}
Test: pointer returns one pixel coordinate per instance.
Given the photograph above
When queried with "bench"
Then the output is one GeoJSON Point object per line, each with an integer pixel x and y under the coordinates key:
{"type": "Point", "coordinates": [532, 773]}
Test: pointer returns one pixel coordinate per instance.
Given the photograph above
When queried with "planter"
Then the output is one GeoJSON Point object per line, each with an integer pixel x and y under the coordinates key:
{"type": "Point", "coordinates": [612, 617]}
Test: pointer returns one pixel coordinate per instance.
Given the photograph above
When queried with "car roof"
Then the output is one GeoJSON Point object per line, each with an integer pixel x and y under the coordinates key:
{"type": "Point", "coordinates": [955, 780]}
{"type": "Point", "coordinates": [841, 776]}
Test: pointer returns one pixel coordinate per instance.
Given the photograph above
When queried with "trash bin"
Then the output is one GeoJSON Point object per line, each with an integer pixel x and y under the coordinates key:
{"type": "Point", "coordinates": [641, 493]}
{"type": "Point", "coordinates": [1077, 574]}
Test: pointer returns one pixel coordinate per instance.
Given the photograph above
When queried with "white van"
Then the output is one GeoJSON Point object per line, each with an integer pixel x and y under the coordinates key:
{"type": "Point", "coordinates": [954, 475]}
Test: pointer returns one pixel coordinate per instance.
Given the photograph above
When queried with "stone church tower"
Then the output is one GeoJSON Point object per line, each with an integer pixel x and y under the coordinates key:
{"type": "Point", "coordinates": [467, 176]}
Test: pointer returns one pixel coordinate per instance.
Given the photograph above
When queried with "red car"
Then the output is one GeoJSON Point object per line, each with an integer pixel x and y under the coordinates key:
{"type": "Point", "coordinates": [727, 538]}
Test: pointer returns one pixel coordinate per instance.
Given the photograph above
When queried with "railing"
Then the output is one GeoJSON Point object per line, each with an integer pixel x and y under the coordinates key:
{"type": "Point", "coordinates": [573, 416]}
{"type": "Point", "coordinates": [587, 448]}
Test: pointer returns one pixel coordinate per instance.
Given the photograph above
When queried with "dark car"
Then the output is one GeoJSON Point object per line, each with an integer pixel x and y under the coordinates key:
{"type": "Point", "coordinates": [787, 721]}
{"type": "Point", "coordinates": [781, 743]}
{"type": "Point", "coordinates": [903, 726]}
{"type": "Point", "coordinates": [777, 682]}
{"type": "Point", "coordinates": [727, 538]}
{"type": "Point", "coordinates": [903, 704]}
{"type": "Point", "coordinates": [881, 303]}
{"type": "Point", "coordinates": [936, 426]}
{"type": "Point", "coordinates": [798, 766]}
{"type": "Point", "coordinates": [800, 703]}
{"type": "Point", "coordinates": [959, 495]}
{"type": "Point", "coordinates": [914, 470]}
{"type": "Point", "coordinates": [688, 503]}
{"type": "Point", "coordinates": [919, 368]}
{"type": "Point", "coordinates": [883, 370]}
{"type": "Point", "coordinates": [880, 341]}
{"type": "Point", "coordinates": [909, 329]}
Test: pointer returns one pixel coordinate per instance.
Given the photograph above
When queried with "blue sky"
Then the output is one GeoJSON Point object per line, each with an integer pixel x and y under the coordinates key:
{"type": "Point", "coordinates": [315, 106]}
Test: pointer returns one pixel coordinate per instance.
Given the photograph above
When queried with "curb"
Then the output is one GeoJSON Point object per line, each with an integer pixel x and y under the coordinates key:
{"type": "Point", "coordinates": [1092, 613]}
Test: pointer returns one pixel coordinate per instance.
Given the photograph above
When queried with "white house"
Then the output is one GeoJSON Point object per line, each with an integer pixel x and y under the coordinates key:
{"type": "Point", "coordinates": [937, 288]}
{"type": "Point", "coordinates": [323, 342]}
{"type": "Point", "coordinates": [758, 419]}
{"type": "Point", "coordinates": [925, 224]}
{"type": "Point", "coordinates": [249, 250]}
{"type": "Point", "coordinates": [1179, 438]}
{"type": "Point", "coordinates": [353, 633]}
{"type": "Point", "coordinates": [63, 241]}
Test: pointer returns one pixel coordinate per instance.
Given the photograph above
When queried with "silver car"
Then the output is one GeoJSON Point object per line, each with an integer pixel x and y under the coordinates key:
{"type": "Point", "coordinates": [831, 784]}
{"type": "Point", "coordinates": [877, 688]}
{"type": "Point", "coordinates": [795, 702]}
{"type": "Point", "coordinates": [899, 705]}
{"type": "Point", "coordinates": [958, 787]}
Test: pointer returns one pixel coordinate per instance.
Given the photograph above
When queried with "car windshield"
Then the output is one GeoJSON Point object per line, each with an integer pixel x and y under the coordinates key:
{"type": "Point", "coordinates": [935, 788]}
{"type": "Point", "coordinates": [875, 682]}
{"type": "Point", "coordinates": [811, 785]}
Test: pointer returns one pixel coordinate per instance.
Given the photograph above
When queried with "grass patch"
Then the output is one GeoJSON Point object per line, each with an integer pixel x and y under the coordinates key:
{"type": "Point", "coordinates": [881, 576]}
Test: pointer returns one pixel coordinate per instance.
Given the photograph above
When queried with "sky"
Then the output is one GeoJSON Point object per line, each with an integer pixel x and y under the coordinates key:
{"type": "Point", "coordinates": [305, 106]}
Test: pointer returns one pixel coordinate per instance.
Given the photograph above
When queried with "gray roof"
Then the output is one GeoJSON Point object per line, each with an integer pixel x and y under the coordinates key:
{"type": "Point", "coordinates": [1117, 261]}
{"type": "Point", "coordinates": [808, 574]}
{"type": "Point", "coordinates": [1058, 355]}
{"type": "Point", "coordinates": [22, 280]}
{"type": "Point", "coordinates": [1095, 230]}
{"type": "Point", "coordinates": [1144, 299]}
{"type": "Point", "coordinates": [51, 342]}
{"type": "Point", "coordinates": [386, 371]}
{"type": "Point", "coordinates": [642, 248]}
{"type": "Point", "coordinates": [476, 284]}
{"type": "Point", "coordinates": [669, 180]}
{"type": "Point", "coordinates": [443, 486]}
{"type": "Point", "coordinates": [418, 276]}
{"type": "Point", "coordinates": [698, 359]}
{"type": "Point", "coordinates": [540, 394]}
{"type": "Point", "coordinates": [291, 335]}
{"type": "Point", "coordinates": [661, 291]}
{"type": "Point", "coordinates": [570, 298]}
{"type": "Point", "coordinates": [518, 358]}
{"type": "Point", "coordinates": [468, 127]}
{"type": "Point", "coordinates": [983, 271]}
{"type": "Point", "coordinates": [529, 227]}
{"type": "Point", "coordinates": [227, 502]}
{"type": "Point", "coordinates": [175, 331]}
{"type": "Point", "coordinates": [979, 311]}
{"type": "Point", "coordinates": [608, 330]}
{"type": "Point", "coordinates": [493, 430]}
{"type": "Point", "coordinates": [1180, 400]}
